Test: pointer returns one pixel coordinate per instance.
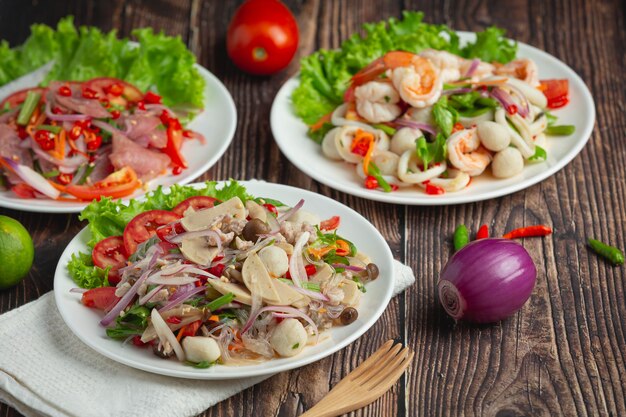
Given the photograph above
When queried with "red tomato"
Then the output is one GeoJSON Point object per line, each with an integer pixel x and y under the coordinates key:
{"type": "Point", "coordinates": [262, 37]}
{"type": "Point", "coordinates": [115, 90]}
{"type": "Point", "coordinates": [164, 231]}
{"type": "Point", "coordinates": [143, 226]}
{"type": "Point", "coordinates": [120, 183]}
{"type": "Point", "coordinates": [19, 96]}
{"type": "Point", "coordinates": [110, 252]}
{"type": "Point", "coordinates": [192, 328]}
{"type": "Point", "coordinates": [23, 190]}
{"type": "Point", "coordinates": [330, 224]}
{"type": "Point", "coordinates": [556, 91]}
{"type": "Point", "coordinates": [102, 298]}
{"type": "Point", "coordinates": [197, 203]}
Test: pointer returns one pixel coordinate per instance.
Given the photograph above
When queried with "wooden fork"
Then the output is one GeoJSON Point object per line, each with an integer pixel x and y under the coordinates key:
{"type": "Point", "coordinates": [368, 382]}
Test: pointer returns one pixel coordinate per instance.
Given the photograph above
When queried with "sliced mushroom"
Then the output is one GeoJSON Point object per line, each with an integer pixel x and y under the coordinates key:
{"type": "Point", "coordinates": [256, 278]}
{"type": "Point", "coordinates": [352, 294]}
{"type": "Point", "coordinates": [202, 219]}
{"type": "Point", "coordinates": [324, 273]}
{"type": "Point", "coordinates": [241, 293]}
{"type": "Point", "coordinates": [256, 211]}
{"type": "Point", "coordinates": [197, 250]}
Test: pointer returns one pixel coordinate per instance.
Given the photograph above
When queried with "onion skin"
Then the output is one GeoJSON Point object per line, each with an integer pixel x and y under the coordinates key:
{"type": "Point", "coordinates": [487, 281]}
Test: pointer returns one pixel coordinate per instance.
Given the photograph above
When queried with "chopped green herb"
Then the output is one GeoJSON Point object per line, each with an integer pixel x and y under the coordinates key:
{"type": "Point", "coordinates": [540, 154]}
{"type": "Point", "coordinates": [562, 130]}
{"type": "Point", "coordinates": [221, 301]}
{"type": "Point", "coordinates": [296, 346]}
{"type": "Point", "coordinates": [200, 365]}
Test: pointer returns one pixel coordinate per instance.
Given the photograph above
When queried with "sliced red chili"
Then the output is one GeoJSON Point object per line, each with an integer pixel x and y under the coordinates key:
{"type": "Point", "coordinates": [434, 190]}
{"type": "Point", "coordinates": [65, 91]}
{"type": "Point", "coordinates": [371, 183]}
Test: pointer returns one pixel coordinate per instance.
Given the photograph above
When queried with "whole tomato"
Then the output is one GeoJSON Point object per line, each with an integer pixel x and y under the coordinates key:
{"type": "Point", "coordinates": [262, 37]}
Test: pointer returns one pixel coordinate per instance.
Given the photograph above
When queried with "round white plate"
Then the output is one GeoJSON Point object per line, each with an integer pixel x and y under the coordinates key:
{"type": "Point", "coordinates": [290, 135]}
{"type": "Point", "coordinates": [217, 123]}
{"type": "Point", "coordinates": [84, 322]}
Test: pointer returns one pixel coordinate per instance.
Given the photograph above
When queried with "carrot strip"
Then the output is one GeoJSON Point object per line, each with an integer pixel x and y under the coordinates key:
{"type": "Point", "coordinates": [324, 119]}
{"type": "Point", "coordinates": [368, 156]}
{"type": "Point", "coordinates": [180, 333]}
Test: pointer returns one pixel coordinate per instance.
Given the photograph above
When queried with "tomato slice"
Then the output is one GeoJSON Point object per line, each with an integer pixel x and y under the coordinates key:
{"type": "Point", "coordinates": [115, 90]}
{"type": "Point", "coordinates": [102, 298]}
{"type": "Point", "coordinates": [119, 184]}
{"type": "Point", "coordinates": [23, 190]}
{"type": "Point", "coordinates": [143, 226]}
{"type": "Point", "coordinates": [556, 91]}
{"type": "Point", "coordinates": [192, 328]}
{"type": "Point", "coordinates": [18, 97]}
{"type": "Point", "coordinates": [197, 203]}
{"type": "Point", "coordinates": [110, 252]}
{"type": "Point", "coordinates": [330, 224]}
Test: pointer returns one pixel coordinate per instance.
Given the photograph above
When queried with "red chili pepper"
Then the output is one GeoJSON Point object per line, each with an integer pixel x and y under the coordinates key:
{"type": "Point", "coordinates": [95, 143]}
{"type": "Point", "coordinates": [43, 139]}
{"type": "Point", "coordinates": [65, 178]}
{"type": "Point", "coordinates": [57, 110]}
{"type": "Point", "coordinates": [483, 232]}
{"type": "Point", "coordinates": [115, 114]}
{"type": "Point", "coordinates": [310, 270]}
{"type": "Point", "coordinates": [165, 117]}
{"type": "Point", "coordinates": [434, 189]}
{"type": "Point", "coordinates": [360, 148]}
{"type": "Point", "coordinates": [217, 270]}
{"type": "Point", "coordinates": [511, 109]}
{"type": "Point", "coordinates": [21, 132]}
{"type": "Point", "coordinates": [529, 231]}
{"type": "Point", "coordinates": [89, 93]}
{"type": "Point", "coordinates": [152, 98]}
{"type": "Point", "coordinates": [177, 170]}
{"type": "Point", "coordinates": [394, 187]}
{"type": "Point", "coordinates": [75, 132]}
{"type": "Point", "coordinates": [65, 91]}
{"type": "Point", "coordinates": [173, 320]}
{"type": "Point", "coordinates": [115, 90]}
{"type": "Point", "coordinates": [141, 105]}
{"type": "Point", "coordinates": [188, 134]}
{"type": "Point", "coordinates": [271, 208]}
{"type": "Point", "coordinates": [371, 183]}
{"type": "Point", "coordinates": [137, 341]}
{"type": "Point", "coordinates": [105, 102]}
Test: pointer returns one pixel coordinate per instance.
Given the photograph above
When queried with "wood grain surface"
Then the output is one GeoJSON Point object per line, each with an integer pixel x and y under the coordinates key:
{"type": "Point", "coordinates": [564, 353]}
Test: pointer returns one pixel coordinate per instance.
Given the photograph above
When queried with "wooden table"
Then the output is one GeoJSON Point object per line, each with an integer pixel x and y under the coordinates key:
{"type": "Point", "coordinates": [563, 354]}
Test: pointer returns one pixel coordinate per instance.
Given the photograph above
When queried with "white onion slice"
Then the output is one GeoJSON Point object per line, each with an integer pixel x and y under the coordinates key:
{"type": "Point", "coordinates": [296, 263]}
{"type": "Point", "coordinates": [165, 333]}
{"type": "Point", "coordinates": [33, 178]}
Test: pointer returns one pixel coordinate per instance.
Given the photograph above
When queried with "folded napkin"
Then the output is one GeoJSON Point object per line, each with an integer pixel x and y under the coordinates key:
{"type": "Point", "coordinates": [46, 370]}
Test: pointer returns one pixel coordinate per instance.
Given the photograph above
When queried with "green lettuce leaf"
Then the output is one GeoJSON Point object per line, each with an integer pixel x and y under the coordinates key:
{"type": "Point", "coordinates": [491, 45]}
{"type": "Point", "coordinates": [84, 273]}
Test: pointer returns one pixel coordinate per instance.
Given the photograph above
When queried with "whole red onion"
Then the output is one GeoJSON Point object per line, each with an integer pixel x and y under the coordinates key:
{"type": "Point", "coordinates": [487, 281]}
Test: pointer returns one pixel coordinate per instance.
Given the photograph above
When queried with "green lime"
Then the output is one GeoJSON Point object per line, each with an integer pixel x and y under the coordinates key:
{"type": "Point", "coordinates": [16, 252]}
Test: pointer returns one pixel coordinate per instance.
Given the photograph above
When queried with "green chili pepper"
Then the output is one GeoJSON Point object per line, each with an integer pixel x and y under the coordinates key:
{"type": "Point", "coordinates": [461, 237]}
{"type": "Point", "coordinates": [611, 253]}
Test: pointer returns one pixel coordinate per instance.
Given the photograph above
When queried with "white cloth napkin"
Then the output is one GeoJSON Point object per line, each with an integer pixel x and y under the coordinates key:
{"type": "Point", "coordinates": [46, 370]}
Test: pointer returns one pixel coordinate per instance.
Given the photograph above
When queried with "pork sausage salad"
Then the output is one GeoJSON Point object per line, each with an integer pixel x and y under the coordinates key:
{"type": "Point", "coordinates": [214, 275]}
{"type": "Point", "coordinates": [107, 118]}
{"type": "Point", "coordinates": [417, 110]}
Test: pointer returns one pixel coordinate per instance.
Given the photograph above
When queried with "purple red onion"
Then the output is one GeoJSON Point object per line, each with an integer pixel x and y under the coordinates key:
{"type": "Point", "coordinates": [415, 125]}
{"type": "Point", "coordinates": [487, 281]}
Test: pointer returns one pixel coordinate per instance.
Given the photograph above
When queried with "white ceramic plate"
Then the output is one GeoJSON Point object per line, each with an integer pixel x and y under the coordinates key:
{"type": "Point", "coordinates": [217, 123]}
{"type": "Point", "coordinates": [290, 135]}
{"type": "Point", "coordinates": [84, 322]}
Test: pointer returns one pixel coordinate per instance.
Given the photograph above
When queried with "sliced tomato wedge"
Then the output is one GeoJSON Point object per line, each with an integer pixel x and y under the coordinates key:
{"type": "Point", "coordinates": [143, 226]}
{"type": "Point", "coordinates": [164, 231]}
{"type": "Point", "coordinates": [23, 190]}
{"type": "Point", "coordinates": [110, 252]}
{"type": "Point", "coordinates": [115, 90]}
{"type": "Point", "coordinates": [556, 91]}
{"type": "Point", "coordinates": [192, 328]}
{"type": "Point", "coordinates": [119, 184]}
{"type": "Point", "coordinates": [197, 203]}
{"type": "Point", "coordinates": [330, 224]}
{"type": "Point", "coordinates": [174, 142]}
{"type": "Point", "coordinates": [102, 298]}
{"type": "Point", "coordinates": [18, 97]}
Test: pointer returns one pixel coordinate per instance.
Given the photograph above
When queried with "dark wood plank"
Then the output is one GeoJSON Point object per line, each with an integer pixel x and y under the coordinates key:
{"type": "Point", "coordinates": [563, 354]}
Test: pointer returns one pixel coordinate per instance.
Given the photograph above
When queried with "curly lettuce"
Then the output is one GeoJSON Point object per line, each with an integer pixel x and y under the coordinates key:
{"type": "Point", "coordinates": [325, 74]}
{"type": "Point", "coordinates": [159, 62]}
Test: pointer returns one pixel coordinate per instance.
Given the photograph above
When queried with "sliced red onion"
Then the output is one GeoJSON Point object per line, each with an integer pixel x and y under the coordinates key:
{"type": "Point", "coordinates": [353, 268]}
{"type": "Point", "coordinates": [165, 334]}
{"type": "Point", "coordinates": [284, 315]}
{"type": "Point", "coordinates": [124, 301]}
{"type": "Point", "coordinates": [334, 311]}
{"type": "Point", "coordinates": [416, 125]}
{"type": "Point", "coordinates": [313, 294]}
{"type": "Point", "coordinates": [506, 100]}
{"type": "Point", "coordinates": [160, 107]}
{"type": "Point", "coordinates": [524, 111]}
{"type": "Point", "coordinates": [296, 263]}
{"type": "Point", "coordinates": [188, 269]}
{"type": "Point", "coordinates": [472, 68]}
{"type": "Point", "coordinates": [71, 162]}
{"type": "Point", "coordinates": [272, 223]}
{"type": "Point", "coordinates": [64, 117]}
{"type": "Point", "coordinates": [105, 126]}
{"type": "Point", "coordinates": [150, 294]}
{"type": "Point", "coordinates": [182, 298]}
{"type": "Point", "coordinates": [4, 117]}
{"type": "Point", "coordinates": [487, 281]}
{"type": "Point", "coordinates": [33, 178]}
{"type": "Point", "coordinates": [284, 310]}
{"type": "Point", "coordinates": [78, 290]}
{"type": "Point", "coordinates": [286, 215]}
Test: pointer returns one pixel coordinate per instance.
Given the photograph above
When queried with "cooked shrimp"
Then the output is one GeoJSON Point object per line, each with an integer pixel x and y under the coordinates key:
{"type": "Point", "coordinates": [523, 69]}
{"type": "Point", "coordinates": [377, 102]}
{"type": "Point", "coordinates": [449, 65]}
{"type": "Point", "coordinates": [466, 153]}
{"type": "Point", "coordinates": [419, 83]}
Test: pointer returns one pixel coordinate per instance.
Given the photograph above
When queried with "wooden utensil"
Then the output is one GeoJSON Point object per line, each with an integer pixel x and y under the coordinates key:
{"type": "Point", "coordinates": [368, 382]}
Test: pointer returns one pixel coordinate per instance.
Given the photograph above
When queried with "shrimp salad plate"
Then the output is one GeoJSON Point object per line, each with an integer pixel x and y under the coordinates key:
{"type": "Point", "coordinates": [223, 280]}
{"type": "Point", "coordinates": [443, 124]}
